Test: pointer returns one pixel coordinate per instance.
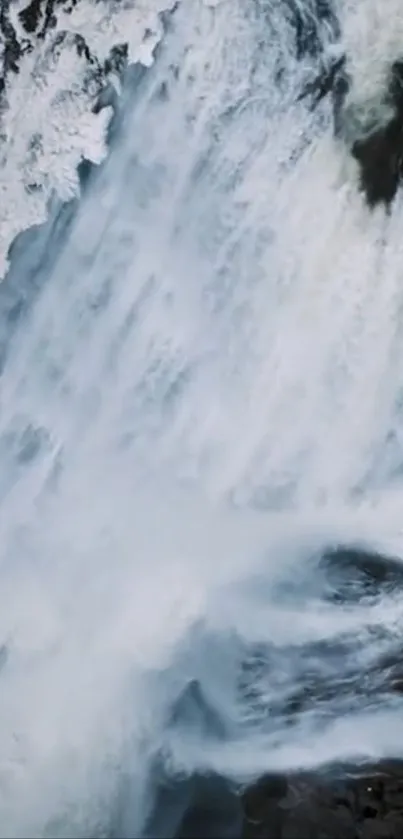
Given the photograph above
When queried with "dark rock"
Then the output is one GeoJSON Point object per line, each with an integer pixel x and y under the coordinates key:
{"type": "Point", "coordinates": [117, 60]}
{"type": "Point", "coordinates": [314, 820]}
{"type": "Point", "coordinates": [31, 16]}
{"type": "Point", "coordinates": [39, 16]}
{"type": "Point", "coordinates": [380, 159]}
{"type": "Point", "coordinates": [12, 48]}
{"type": "Point", "coordinates": [262, 809]}
{"type": "Point", "coordinates": [338, 803]}
{"type": "Point", "coordinates": [335, 803]}
{"type": "Point", "coordinates": [380, 155]}
{"type": "Point", "coordinates": [343, 805]}
{"type": "Point", "coordinates": [379, 151]}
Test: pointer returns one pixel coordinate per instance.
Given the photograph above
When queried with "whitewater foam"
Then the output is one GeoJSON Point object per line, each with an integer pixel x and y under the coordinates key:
{"type": "Point", "coordinates": [221, 331]}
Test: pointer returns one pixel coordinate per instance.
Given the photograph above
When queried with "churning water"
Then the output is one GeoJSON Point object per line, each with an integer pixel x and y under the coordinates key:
{"type": "Point", "coordinates": [205, 396]}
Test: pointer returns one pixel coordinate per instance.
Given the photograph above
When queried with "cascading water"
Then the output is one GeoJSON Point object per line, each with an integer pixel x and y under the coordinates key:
{"type": "Point", "coordinates": [204, 397]}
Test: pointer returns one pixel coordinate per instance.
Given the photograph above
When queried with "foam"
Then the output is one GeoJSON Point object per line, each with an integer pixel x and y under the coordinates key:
{"type": "Point", "coordinates": [221, 332]}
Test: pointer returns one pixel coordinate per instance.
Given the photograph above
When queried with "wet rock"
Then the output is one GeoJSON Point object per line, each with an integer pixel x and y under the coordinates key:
{"type": "Point", "coordinates": [30, 17]}
{"type": "Point", "coordinates": [342, 802]}
{"type": "Point", "coordinates": [40, 15]}
{"type": "Point", "coordinates": [380, 160]}
{"type": "Point", "coordinates": [347, 804]}
{"type": "Point", "coordinates": [380, 153]}
{"type": "Point", "coordinates": [314, 818]}
{"type": "Point", "coordinates": [262, 808]}
{"type": "Point", "coordinates": [377, 148]}
{"type": "Point", "coordinates": [117, 60]}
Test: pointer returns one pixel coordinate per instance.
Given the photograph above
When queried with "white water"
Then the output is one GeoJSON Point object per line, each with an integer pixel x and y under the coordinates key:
{"type": "Point", "coordinates": [214, 369]}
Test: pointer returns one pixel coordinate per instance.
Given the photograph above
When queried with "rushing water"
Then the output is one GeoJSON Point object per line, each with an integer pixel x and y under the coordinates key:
{"type": "Point", "coordinates": [205, 396]}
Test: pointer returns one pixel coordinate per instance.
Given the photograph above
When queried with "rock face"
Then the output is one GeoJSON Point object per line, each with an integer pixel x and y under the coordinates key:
{"type": "Point", "coordinates": [367, 804]}
{"type": "Point", "coordinates": [345, 803]}
{"type": "Point", "coordinates": [379, 149]}
{"type": "Point", "coordinates": [380, 155]}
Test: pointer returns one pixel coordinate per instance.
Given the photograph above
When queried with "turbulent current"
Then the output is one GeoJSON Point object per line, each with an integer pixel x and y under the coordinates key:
{"type": "Point", "coordinates": [203, 401]}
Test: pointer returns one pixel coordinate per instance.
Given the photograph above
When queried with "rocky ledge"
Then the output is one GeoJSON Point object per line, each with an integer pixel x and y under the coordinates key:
{"type": "Point", "coordinates": [360, 804]}
{"type": "Point", "coordinates": [339, 803]}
